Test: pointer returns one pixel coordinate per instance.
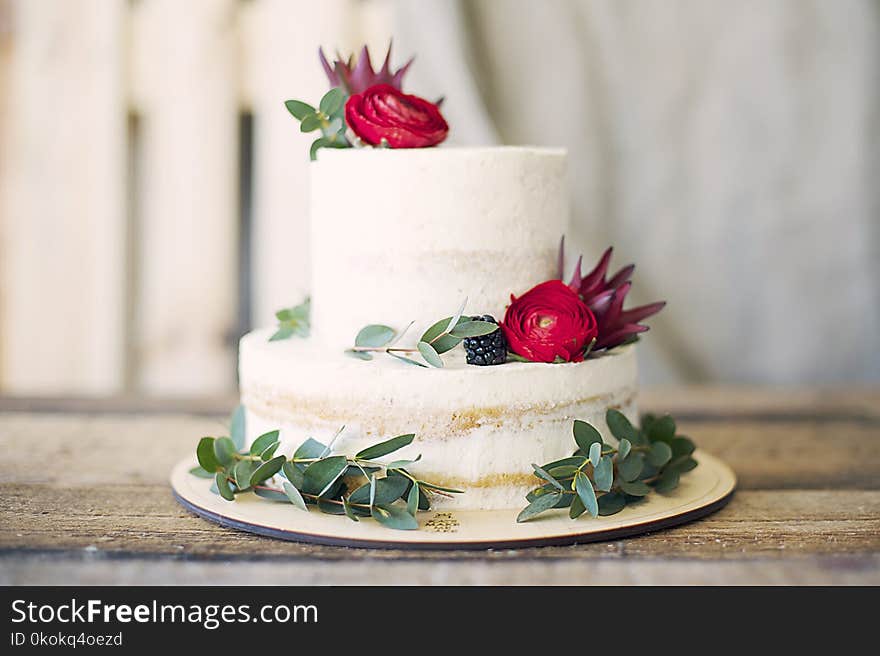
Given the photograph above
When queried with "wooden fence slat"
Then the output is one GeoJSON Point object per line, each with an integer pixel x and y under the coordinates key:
{"type": "Point", "coordinates": [282, 42]}
{"type": "Point", "coordinates": [185, 61]}
{"type": "Point", "coordinates": [62, 222]}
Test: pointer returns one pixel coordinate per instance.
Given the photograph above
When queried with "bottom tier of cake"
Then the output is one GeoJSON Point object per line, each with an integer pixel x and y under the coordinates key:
{"type": "Point", "coordinates": [477, 428]}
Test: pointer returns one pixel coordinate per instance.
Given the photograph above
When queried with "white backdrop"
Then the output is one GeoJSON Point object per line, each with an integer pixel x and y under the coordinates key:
{"type": "Point", "coordinates": [730, 148]}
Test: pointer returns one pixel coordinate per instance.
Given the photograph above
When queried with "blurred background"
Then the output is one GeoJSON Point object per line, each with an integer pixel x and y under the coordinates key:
{"type": "Point", "coordinates": [153, 189]}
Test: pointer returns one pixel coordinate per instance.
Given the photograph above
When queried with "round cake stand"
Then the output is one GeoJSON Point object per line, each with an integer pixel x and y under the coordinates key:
{"type": "Point", "coordinates": [702, 491]}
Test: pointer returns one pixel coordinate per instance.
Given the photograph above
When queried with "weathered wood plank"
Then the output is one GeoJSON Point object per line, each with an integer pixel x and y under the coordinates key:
{"type": "Point", "coordinates": [92, 568]}
{"type": "Point", "coordinates": [186, 64]}
{"type": "Point", "coordinates": [136, 520]}
{"type": "Point", "coordinates": [62, 220]}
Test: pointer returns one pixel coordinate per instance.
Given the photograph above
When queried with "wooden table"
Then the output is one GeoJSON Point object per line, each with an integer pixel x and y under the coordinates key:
{"type": "Point", "coordinates": [85, 500]}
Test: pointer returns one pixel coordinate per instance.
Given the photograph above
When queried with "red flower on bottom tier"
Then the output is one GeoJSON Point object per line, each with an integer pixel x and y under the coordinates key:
{"type": "Point", "coordinates": [549, 322]}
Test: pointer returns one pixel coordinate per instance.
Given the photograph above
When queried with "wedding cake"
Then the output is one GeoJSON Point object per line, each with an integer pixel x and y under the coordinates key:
{"type": "Point", "coordinates": [441, 327]}
{"type": "Point", "coordinates": [457, 222]}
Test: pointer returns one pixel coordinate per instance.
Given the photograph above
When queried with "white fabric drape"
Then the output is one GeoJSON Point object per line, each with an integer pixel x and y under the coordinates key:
{"type": "Point", "coordinates": [729, 148]}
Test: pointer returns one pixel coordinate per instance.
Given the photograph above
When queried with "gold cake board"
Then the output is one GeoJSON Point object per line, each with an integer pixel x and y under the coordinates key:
{"type": "Point", "coordinates": [701, 492]}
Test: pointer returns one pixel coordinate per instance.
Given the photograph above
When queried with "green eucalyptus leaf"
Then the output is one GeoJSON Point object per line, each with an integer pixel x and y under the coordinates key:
{"type": "Point", "coordinates": [620, 426]}
{"type": "Point", "coordinates": [237, 427]}
{"type": "Point", "coordinates": [595, 453]}
{"type": "Point", "coordinates": [311, 123]}
{"type": "Point", "coordinates": [587, 494]}
{"type": "Point", "coordinates": [310, 449]}
{"type": "Point", "coordinates": [292, 473]}
{"type": "Point", "coordinates": [319, 476]}
{"type": "Point", "coordinates": [661, 429]}
{"type": "Point", "coordinates": [242, 473]}
{"type": "Point", "coordinates": [611, 504]}
{"type": "Point", "coordinates": [431, 356]}
{"type": "Point", "coordinates": [294, 495]}
{"type": "Point", "coordinates": [267, 470]}
{"type": "Point", "coordinates": [386, 447]}
{"type": "Point", "coordinates": [431, 486]}
{"type": "Point", "coordinates": [540, 473]}
{"type": "Point", "coordinates": [360, 355]}
{"type": "Point", "coordinates": [682, 446]}
{"type": "Point", "coordinates": [564, 499]}
{"type": "Point", "coordinates": [223, 486]}
{"type": "Point", "coordinates": [263, 441]}
{"type": "Point", "coordinates": [407, 360]}
{"type": "Point", "coordinates": [575, 461]}
{"type": "Point", "coordinates": [205, 454]}
{"type": "Point", "coordinates": [299, 109]}
{"type": "Point", "coordinates": [317, 144]}
{"type": "Point", "coordinates": [201, 472]}
{"type": "Point", "coordinates": [332, 101]}
{"type": "Point", "coordinates": [585, 435]}
{"type": "Point", "coordinates": [388, 490]}
{"type": "Point", "coordinates": [271, 495]}
{"type": "Point", "coordinates": [412, 500]}
{"type": "Point", "coordinates": [224, 450]}
{"type": "Point", "coordinates": [473, 329]}
{"type": "Point", "coordinates": [648, 471]}
{"type": "Point", "coordinates": [394, 517]}
{"type": "Point", "coordinates": [541, 504]}
{"type": "Point", "coordinates": [682, 464]}
{"type": "Point", "coordinates": [604, 474]}
{"type": "Point", "coordinates": [331, 506]}
{"type": "Point", "coordinates": [374, 335]}
{"type": "Point", "coordinates": [401, 464]}
{"type": "Point", "coordinates": [283, 332]}
{"type": "Point", "coordinates": [269, 451]}
{"type": "Point", "coordinates": [424, 499]}
{"type": "Point", "coordinates": [635, 488]}
{"type": "Point", "coordinates": [445, 343]}
{"type": "Point", "coordinates": [659, 454]}
{"type": "Point", "coordinates": [577, 507]}
{"type": "Point", "coordinates": [624, 448]}
{"type": "Point", "coordinates": [631, 466]}
{"type": "Point", "coordinates": [562, 471]}
{"type": "Point", "coordinates": [438, 329]}
{"type": "Point", "coordinates": [668, 481]}
{"type": "Point", "coordinates": [349, 511]}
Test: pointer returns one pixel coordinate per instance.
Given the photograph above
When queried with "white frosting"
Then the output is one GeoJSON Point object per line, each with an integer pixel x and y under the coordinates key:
{"type": "Point", "coordinates": [405, 235]}
{"type": "Point", "coordinates": [470, 422]}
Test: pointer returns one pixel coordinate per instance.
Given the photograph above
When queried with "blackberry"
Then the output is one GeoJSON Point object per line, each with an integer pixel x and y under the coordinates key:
{"type": "Point", "coordinates": [488, 349]}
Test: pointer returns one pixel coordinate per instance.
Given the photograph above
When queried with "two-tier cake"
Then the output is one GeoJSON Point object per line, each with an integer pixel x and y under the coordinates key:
{"type": "Point", "coordinates": [449, 223]}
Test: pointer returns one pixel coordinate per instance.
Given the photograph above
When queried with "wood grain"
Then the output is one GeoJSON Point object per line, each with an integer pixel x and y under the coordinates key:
{"type": "Point", "coordinates": [807, 510]}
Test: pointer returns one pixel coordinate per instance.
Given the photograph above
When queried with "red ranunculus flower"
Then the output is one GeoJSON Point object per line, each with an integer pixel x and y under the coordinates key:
{"type": "Point", "coordinates": [404, 121]}
{"type": "Point", "coordinates": [547, 322]}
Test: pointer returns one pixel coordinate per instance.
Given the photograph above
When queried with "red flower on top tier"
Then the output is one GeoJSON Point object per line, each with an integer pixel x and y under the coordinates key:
{"type": "Point", "coordinates": [549, 322]}
{"type": "Point", "coordinates": [385, 114]}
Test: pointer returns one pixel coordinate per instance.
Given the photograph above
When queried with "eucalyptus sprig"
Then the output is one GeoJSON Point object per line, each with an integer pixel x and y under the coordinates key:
{"type": "Point", "coordinates": [329, 118]}
{"type": "Point", "coordinates": [293, 321]}
{"type": "Point", "coordinates": [444, 335]}
{"type": "Point", "coordinates": [357, 486]}
{"type": "Point", "coordinates": [602, 479]}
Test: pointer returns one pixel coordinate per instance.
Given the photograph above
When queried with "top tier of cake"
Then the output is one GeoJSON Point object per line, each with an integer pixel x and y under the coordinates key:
{"type": "Point", "coordinates": [406, 235]}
